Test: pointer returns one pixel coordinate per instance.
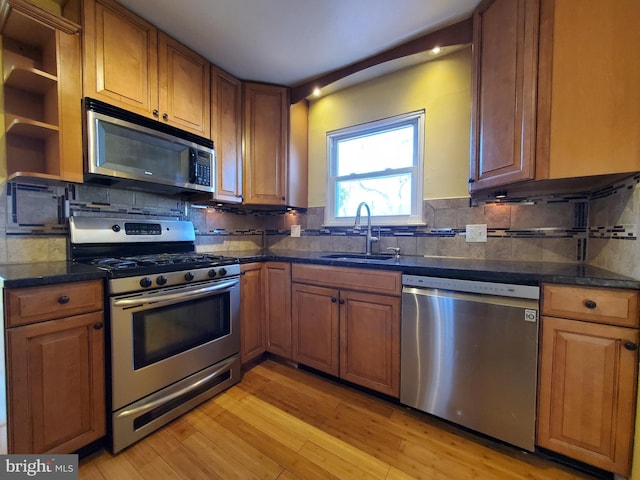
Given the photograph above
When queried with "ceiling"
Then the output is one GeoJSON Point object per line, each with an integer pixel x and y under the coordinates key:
{"type": "Point", "coordinates": [289, 42]}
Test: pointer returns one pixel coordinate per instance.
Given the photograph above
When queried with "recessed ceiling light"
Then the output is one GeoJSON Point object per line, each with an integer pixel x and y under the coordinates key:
{"type": "Point", "coordinates": [436, 50]}
{"type": "Point", "coordinates": [316, 91]}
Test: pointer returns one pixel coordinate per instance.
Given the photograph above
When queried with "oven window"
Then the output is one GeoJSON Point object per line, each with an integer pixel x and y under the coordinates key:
{"type": "Point", "coordinates": [160, 333]}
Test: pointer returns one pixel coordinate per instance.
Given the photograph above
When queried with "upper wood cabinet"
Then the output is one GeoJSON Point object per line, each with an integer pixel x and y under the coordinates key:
{"type": "Point", "coordinates": [504, 92]}
{"type": "Point", "coordinates": [298, 171]}
{"type": "Point", "coordinates": [554, 90]}
{"type": "Point", "coordinates": [266, 133]}
{"type": "Point", "coordinates": [129, 64]}
{"type": "Point", "coordinates": [42, 90]}
{"type": "Point", "coordinates": [226, 133]}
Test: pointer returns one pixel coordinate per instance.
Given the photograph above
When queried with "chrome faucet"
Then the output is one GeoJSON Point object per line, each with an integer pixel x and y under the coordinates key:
{"type": "Point", "coordinates": [358, 226]}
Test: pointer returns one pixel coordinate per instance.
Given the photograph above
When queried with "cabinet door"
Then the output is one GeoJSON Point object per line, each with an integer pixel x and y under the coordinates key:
{"type": "Point", "coordinates": [266, 123]}
{"type": "Point", "coordinates": [589, 118]}
{"type": "Point", "coordinates": [315, 327]}
{"type": "Point", "coordinates": [277, 286]}
{"type": "Point", "coordinates": [505, 60]}
{"type": "Point", "coordinates": [56, 384]}
{"type": "Point", "coordinates": [252, 335]}
{"type": "Point", "coordinates": [587, 392]}
{"type": "Point", "coordinates": [226, 133]}
{"type": "Point", "coordinates": [184, 87]}
{"type": "Point", "coordinates": [370, 341]}
{"type": "Point", "coordinates": [120, 57]}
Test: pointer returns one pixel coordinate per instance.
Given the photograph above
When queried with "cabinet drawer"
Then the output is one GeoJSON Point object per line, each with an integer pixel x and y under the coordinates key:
{"type": "Point", "coordinates": [365, 280]}
{"type": "Point", "coordinates": [602, 305]}
{"type": "Point", "coordinates": [35, 304]}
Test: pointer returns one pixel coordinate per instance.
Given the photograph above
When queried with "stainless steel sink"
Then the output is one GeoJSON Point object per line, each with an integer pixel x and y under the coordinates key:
{"type": "Point", "coordinates": [358, 256]}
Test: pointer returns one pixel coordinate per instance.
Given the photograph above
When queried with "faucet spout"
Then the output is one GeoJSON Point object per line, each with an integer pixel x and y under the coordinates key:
{"type": "Point", "coordinates": [358, 226]}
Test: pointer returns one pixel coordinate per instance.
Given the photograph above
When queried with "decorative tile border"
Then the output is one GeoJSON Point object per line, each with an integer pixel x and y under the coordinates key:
{"type": "Point", "coordinates": [617, 232]}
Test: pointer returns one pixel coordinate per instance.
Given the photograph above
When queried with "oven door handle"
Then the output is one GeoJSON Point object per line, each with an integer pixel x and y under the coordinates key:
{"type": "Point", "coordinates": [159, 401]}
{"type": "Point", "coordinates": [129, 302]}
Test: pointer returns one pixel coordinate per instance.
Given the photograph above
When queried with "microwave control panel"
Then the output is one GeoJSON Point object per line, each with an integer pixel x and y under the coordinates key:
{"type": "Point", "coordinates": [200, 167]}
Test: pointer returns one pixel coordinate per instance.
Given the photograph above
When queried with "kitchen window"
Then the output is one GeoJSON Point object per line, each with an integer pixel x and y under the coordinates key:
{"type": "Point", "coordinates": [381, 163]}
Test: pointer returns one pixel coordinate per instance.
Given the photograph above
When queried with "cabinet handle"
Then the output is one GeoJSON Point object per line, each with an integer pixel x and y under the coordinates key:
{"type": "Point", "coordinates": [156, 112]}
{"type": "Point", "coordinates": [590, 304]}
{"type": "Point", "coordinates": [98, 325]}
{"type": "Point", "coordinates": [334, 299]}
{"type": "Point", "coordinates": [471, 180]}
{"type": "Point", "coordinates": [63, 299]}
{"type": "Point", "coordinates": [165, 116]}
{"type": "Point", "coordinates": [630, 346]}
{"type": "Point", "coordinates": [341, 302]}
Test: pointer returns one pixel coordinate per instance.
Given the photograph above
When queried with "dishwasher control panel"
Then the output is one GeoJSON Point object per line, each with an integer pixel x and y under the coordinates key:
{"type": "Point", "coordinates": [472, 286]}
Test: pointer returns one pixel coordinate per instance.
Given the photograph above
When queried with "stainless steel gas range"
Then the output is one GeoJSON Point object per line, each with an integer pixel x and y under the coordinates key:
{"type": "Point", "coordinates": [173, 319]}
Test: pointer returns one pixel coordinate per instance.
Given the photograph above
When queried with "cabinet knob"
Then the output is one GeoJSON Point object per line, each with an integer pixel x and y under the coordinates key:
{"type": "Point", "coordinates": [590, 304]}
{"type": "Point", "coordinates": [165, 116]}
{"type": "Point", "coordinates": [630, 346]}
{"type": "Point", "coordinates": [341, 302]}
{"type": "Point", "coordinates": [156, 112]}
{"type": "Point", "coordinates": [63, 299]}
{"type": "Point", "coordinates": [471, 180]}
{"type": "Point", "coordinates": [98, 325]}
{"type": "Point", "coordinates": [334, 299]}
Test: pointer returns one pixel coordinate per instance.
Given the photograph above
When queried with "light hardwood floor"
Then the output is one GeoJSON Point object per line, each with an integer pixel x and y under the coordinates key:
{"type": "Point", "coordinates": [283, 423]}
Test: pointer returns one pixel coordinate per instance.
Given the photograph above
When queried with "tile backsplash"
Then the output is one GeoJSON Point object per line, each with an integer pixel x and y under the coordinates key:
{"type": "Point", "coordinates": [600, 230]}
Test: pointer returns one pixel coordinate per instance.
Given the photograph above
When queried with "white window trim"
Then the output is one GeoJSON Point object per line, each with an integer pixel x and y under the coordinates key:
{"type": "Point", "coordinates": [418, 181]}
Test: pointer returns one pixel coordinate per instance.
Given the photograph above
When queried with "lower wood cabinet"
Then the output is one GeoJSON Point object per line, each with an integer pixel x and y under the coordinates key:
{"type": "Point", "coordinates": [346, 322]}
{"type": "Point", "coordinates": [55, 368]}
{"type": "Point", "coordinates": [277, 307]}
{"type": "Point", "coordinates": [265, 310]}
{"type": "Point", "coordinates": [588, 375]}
{"type": "Point", "coordinates": [252, 331]}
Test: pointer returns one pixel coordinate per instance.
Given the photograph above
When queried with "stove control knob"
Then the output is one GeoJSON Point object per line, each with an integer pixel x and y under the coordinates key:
{"type": "Point", "coordinates": [161, 280]}
{"type": "Point", "coordinates": [222, 272]}
{"type": "Point", "coordinates": [212, 273]}
{"type": "Point", "coordinates": [145, 282]}
{"type": "Point", "coordinates": [188, 276]}
{"type": "Point", "coordinates": [115, 228]}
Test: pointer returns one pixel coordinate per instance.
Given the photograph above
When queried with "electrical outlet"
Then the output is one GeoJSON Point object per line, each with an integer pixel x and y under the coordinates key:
{"type": "Point", "coordinates": [477, 233]}
{"type": "Point", "coordinates": [295, 230]}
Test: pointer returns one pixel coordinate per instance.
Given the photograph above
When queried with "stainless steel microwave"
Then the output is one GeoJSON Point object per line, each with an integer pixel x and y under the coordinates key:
{"type": "Point", "coordinates": [123, 149]}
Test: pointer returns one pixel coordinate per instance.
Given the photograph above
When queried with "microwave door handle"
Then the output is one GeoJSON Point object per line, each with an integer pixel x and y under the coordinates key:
{"type": "Point", "coordinates": [193, 165]}
{"type": "Point", "coordinates": [200, 292]}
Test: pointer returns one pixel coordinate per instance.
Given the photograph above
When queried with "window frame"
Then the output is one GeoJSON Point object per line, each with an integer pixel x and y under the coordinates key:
{"type": "Point", "coordinates": [416, 118]}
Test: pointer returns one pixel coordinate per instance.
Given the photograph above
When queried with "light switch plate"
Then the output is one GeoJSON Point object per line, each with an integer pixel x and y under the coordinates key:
{"type": "Point", "coordinates": [477, 233]}
{"type": "Point", "coordinates": [295, 230]}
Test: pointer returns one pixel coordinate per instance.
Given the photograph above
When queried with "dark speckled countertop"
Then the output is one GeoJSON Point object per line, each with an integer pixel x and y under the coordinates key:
{"type": "Point", "coordinates": [46, 273]}
{"type": "Point", "coordinates": [525, 273]}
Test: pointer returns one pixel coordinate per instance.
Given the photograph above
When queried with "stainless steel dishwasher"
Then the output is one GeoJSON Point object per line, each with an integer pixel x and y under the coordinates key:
{"type": "Point", "coordinates": [469, 354]}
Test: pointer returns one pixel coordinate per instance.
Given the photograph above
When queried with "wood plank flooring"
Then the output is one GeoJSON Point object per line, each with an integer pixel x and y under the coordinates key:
{"type": "Point", "coordinates": [287, 424]}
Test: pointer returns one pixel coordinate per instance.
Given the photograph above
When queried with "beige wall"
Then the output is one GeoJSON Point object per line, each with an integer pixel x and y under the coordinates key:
{"type": "Point", "coordinates": [441, 87]}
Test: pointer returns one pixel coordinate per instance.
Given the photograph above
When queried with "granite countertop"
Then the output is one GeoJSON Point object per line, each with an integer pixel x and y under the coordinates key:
{"type": "Point", "coordinates": [525, 273]}
{"type": "Point", "coordinates": [20, 275]}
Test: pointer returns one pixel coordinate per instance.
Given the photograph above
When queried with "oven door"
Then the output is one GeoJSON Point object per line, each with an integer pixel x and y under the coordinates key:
{"type": "Point", "coordinates": [160, 337]}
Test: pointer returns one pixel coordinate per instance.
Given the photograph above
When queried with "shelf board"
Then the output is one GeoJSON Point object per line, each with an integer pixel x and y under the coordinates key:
{"type": "Point", "coordinates": [29, 79]}
{"type": "Point", "coordinates": [34, 177]}
{"type": "Point", "coordinates": [27, 127]}
{"type": "Point", "coordinates": [13, 25]}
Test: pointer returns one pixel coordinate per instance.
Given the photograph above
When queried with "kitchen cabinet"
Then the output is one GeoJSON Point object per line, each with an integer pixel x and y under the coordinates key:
{"type": "Point", "coordinates": [346, 322]}
{"type": "Point", "coordinates": [554, 93]}
{"type": "Point", "coordinates": [266, 133]}
{"type": "Point", "coordinates": [277, 308]}
{"type": "Point", "coordinates": [226, 133]}
{"type": "Point", "coordinates": [55, 367]}
{"type": "Point", "coordinates": [42, 90]}
{"type": "Point", "coordinates": [588, 374]}
{"type": "Point", "coordinates": [129, 64]}
{"type": "Point", "coordinates": [298, 163]}
{"type": "Point", "coordinates": [252, 322]}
